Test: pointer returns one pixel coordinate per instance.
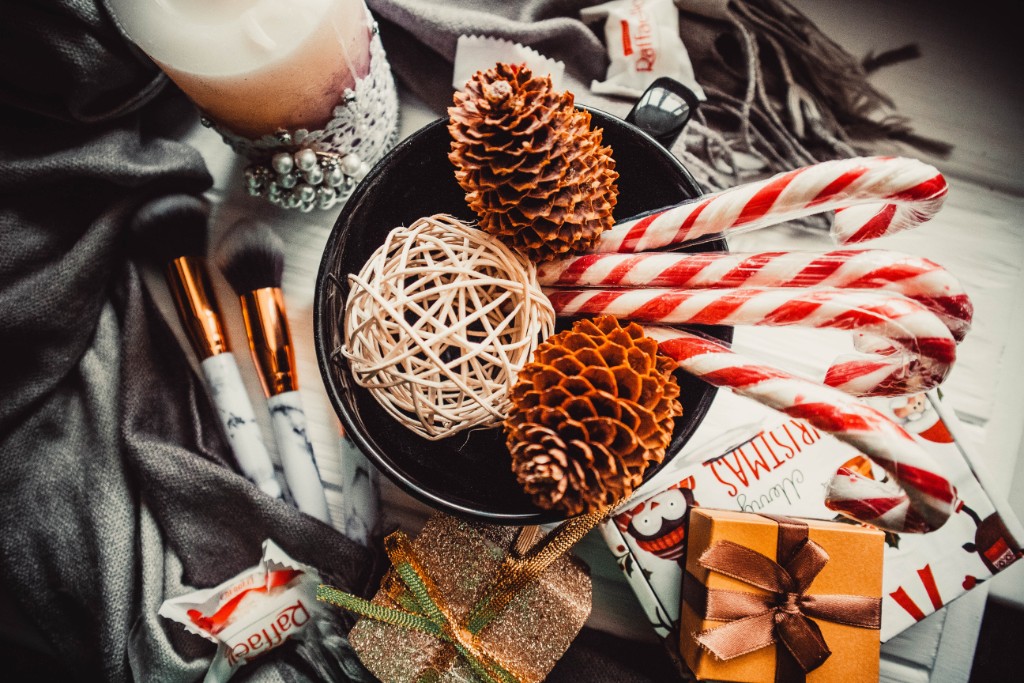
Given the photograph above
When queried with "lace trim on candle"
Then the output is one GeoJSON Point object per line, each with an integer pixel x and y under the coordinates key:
{"type": "Point", "coordinates": [364, 127]}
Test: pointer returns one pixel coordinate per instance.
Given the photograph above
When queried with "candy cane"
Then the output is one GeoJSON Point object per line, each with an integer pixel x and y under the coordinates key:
{"type": "Point", "coordinates": [877, 503]}
{"type": "Point", "coordinates": [916, 278]}
{"type": "Point", "coordinates": [928, 348]}
{"type": "Point", "coordinates": [869, 431]}
{"type": "Point", "coordinates": [887, 194]}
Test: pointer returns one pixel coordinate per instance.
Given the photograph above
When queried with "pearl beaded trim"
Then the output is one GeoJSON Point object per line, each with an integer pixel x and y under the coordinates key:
{"type": "Point", "coordinates": [305, 169]}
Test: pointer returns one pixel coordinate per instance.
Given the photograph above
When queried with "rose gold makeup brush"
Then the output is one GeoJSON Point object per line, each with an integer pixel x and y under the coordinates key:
{"type": "Point", "coordinates": [251, 256]}
{"type": "Point", "coordinates": [174, 230]}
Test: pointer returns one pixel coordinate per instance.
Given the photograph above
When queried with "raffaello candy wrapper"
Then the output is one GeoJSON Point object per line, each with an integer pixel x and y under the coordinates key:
{"type": "Point", "coordinates": [261, 609]}
{"type": "Point", "coordinates": [643, 43]}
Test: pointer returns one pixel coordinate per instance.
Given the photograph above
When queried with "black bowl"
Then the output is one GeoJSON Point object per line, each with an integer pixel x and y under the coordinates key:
{"type": "Point", "coordinates": [469, 473]}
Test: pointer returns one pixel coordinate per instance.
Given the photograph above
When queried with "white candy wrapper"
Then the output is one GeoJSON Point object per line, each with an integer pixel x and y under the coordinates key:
{"type": "Point", "coordinates": [477, 53]}
{"type": "Point", "coordinates": [252, 613]}
{"type": "Point", "coordinates": [643, 43]}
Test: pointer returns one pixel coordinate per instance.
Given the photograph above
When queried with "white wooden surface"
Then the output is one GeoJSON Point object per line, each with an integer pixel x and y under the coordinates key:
{"type": "Point", "coordinates": [952, 94]}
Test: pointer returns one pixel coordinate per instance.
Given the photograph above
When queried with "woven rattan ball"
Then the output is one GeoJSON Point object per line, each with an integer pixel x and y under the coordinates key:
{"type": "Point", "coordinates": [439, 322]}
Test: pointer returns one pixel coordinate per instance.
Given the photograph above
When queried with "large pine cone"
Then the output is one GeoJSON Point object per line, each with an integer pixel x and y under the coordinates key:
{"type": "Point", "coordinates": [532, 169]}
{"type": "Point", "coordinates": [593, 409]}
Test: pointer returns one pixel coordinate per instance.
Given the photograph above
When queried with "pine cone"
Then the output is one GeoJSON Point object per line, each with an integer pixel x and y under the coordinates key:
{"type": "Point", "coordinates": [532, 169]}
{"type": "Point", "coordinates": [593, 409]}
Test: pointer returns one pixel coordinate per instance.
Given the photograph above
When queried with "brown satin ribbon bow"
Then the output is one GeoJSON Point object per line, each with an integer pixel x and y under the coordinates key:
{"type": "Point", "coordinates": [784, 615]}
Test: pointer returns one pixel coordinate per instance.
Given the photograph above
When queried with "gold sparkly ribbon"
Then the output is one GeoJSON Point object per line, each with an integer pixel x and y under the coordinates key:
{"type": "Point", "coordinates": [429, 612]}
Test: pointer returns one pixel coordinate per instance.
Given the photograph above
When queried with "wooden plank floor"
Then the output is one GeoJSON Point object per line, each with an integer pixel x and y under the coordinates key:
{"type": "Point", "coordinates": [965, 88]}
{"type": "Point", "coordinates": [960, 91]}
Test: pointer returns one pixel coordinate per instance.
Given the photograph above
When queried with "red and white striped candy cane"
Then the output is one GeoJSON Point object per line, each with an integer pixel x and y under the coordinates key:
{"type": "Point", "coordinates": [912, 276]}
{"type": "Point", "coordinates": [919, 354]}
{"type": "Point", "coordinates": [888, 194]}
{"type": "Point", "coordinates": [869, 431]}
{"type": "Point", "coordinates": [877, 503]}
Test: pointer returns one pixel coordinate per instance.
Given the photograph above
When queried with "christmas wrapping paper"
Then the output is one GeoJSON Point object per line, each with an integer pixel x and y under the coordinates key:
{"type": "Point", "coordinates": [770, 599]}
{"type": "Point", "coordinates": [782, 466]}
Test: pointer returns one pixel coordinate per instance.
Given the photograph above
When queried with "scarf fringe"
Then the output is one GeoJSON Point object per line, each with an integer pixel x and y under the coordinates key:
{"type": "Point", "coordinates": [801, 98]}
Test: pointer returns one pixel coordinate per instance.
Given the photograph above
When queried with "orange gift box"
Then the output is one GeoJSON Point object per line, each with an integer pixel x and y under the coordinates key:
{"type": "Point", "coordinates": [770, 599]}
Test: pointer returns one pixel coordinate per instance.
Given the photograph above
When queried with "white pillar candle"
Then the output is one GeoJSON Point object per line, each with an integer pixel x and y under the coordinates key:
{"type": "Point", "coordinates": [255, 66]}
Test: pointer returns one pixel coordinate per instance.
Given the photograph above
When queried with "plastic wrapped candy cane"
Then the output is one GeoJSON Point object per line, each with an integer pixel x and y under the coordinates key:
{"type": "Point", "coordinates": [929, 493]}
{"type": "Point", "coordinates": [915, 354]}
{"type": "Point", "coordinates": [887, 194]}
{"type": "Point", "coordinates": [878, 503]}
{"type": "Point", "coordinates": [917, 278]}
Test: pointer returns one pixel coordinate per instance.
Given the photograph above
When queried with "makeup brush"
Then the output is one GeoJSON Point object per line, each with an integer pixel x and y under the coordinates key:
{"type": "Point", "coordinates": [251, 256]}
{"type": "Point", "coordinates": [174, 232]}
{"type": "Point", "coordinates": [360, 488]}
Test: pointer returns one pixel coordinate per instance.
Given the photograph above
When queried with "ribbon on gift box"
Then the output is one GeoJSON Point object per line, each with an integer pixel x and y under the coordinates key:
{"type": "Point", "coordinates": [783, 615]}
{"type": "Point", "coordinates": [425, 609]}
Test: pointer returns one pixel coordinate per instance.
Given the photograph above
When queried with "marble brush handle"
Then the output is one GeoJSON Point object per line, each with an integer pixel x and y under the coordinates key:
{"type": "Point", "coordinates": [300, 472]}
{"type": "Point", "coordinates": [239, 420]}
{"type": "Point", "coordinates": [360, 494]}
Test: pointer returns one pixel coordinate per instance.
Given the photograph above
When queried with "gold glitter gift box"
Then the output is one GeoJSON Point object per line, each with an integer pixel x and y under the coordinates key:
{"type": "Point", "coordinates": [460, 562]}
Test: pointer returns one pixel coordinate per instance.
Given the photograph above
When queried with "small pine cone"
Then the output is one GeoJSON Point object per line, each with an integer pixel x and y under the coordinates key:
{"type": "Point", "coordinates": [532, 169]}
{"type": "Point", "coordinates": [590, 413]}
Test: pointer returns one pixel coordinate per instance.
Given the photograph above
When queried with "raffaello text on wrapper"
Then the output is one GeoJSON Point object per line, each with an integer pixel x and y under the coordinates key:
{"type": "Point", "coordinates": [258, 610]}
{"type": "Point", "coordinates": [642, 38]}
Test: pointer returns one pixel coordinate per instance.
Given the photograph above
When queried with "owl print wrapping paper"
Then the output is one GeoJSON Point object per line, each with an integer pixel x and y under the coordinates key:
{"type": "Point", "coordinates": [782, 466]}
